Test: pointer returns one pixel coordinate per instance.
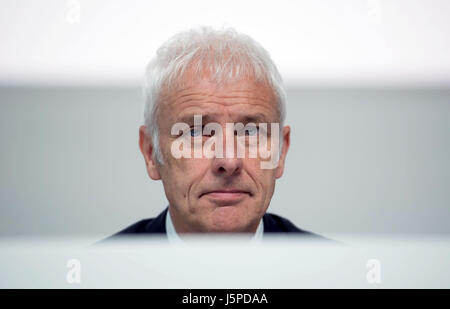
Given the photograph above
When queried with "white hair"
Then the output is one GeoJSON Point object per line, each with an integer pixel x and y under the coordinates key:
{"type": "Point", "coordinates": [226, 54]}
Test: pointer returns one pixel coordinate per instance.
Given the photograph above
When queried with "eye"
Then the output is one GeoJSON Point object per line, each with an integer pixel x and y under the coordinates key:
{"type": "Point", "coordinates": [247, 131]}
{"type": "Point", "coordinates": [251, 131]}
{"type": "Point", "coordinates": [196, 131]}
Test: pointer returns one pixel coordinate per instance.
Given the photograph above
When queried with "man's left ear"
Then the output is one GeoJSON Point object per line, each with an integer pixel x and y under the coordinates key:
{"type": "Point", "coordinates": [286, 141]}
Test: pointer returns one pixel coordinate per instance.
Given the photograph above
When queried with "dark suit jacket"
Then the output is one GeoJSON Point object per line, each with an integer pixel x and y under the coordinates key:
{"type": "Point", "coordinates": [272, 224]}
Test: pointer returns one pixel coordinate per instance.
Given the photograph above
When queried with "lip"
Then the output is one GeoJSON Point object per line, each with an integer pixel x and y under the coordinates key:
{"type": "Point", "coordinates": [226, 197]}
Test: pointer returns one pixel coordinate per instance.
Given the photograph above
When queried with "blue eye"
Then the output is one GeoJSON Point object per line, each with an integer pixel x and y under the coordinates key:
{"type": "Point", "coordinates": [247, 131]}
{"type": "Point", "coordinates": [196, 132]}
{"type": "Point", "coordinates": [252, 131]}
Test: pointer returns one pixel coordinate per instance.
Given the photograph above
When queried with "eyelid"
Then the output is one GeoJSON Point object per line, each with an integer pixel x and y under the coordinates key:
{"type": "Point", "coordinates": [202, 130]}
{"type": "Point", "coordinates": [195, 126]}
{"type": "Point", "coordinates": [246, 130]}
{"type": "Point", "coordinates": [259, 129]}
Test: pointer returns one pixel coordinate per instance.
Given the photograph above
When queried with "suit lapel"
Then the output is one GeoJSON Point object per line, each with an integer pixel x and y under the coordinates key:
{"type": "Point", "coordinates": [157, 225]}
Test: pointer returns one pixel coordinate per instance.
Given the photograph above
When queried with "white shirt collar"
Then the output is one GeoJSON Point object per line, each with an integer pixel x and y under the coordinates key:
{"type": "Point", "coordinates": [174, 238]}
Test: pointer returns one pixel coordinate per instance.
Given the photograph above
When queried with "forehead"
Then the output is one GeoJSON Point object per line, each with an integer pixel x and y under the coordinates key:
{"type": "Point", "coordinates": [242, 100]}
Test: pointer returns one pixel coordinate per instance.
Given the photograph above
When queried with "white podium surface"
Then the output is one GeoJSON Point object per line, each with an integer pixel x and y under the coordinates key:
{"type": "Point", "coordinates": [227, 262]}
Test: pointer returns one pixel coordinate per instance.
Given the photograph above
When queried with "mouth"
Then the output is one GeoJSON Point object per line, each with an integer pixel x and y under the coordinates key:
{"type": "Point", "coordinates": [225, 197]}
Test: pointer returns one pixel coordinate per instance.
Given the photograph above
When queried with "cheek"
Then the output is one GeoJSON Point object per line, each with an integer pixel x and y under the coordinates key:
{"type": "Point", "coordinates": [268, 182]}
{"type": "Point", "coordinates": [182, 175]}
{"type": "Point", "coordinates": [264, 178]}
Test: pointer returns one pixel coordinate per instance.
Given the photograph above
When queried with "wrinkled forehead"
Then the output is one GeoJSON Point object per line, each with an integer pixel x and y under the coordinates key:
{"type": "Point", "coordinates": [243, 100]}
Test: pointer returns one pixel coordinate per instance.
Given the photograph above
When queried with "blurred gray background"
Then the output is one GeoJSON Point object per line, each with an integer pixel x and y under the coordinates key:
{"type": "Point", "coordinates": [372, 160]}
{"type": "Point", "coordinates": [368, 85]}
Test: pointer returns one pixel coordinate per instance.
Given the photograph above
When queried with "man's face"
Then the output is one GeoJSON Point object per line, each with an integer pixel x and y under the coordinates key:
{"type": "Point", "coordinates": [228, 194]}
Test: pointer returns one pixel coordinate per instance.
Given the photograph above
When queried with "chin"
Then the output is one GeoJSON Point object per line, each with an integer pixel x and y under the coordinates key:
{"type": "Point", "coordinates": [230, 219]}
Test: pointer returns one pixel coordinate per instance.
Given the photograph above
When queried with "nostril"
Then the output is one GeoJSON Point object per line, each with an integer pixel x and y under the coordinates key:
{"type": "Point", "coordinates": [226, 166]}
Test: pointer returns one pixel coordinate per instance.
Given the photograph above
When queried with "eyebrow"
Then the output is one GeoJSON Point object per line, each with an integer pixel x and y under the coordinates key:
{"type": "Point", "coordinates": [256, 118]}
{"type": "Point", "coordinates": [207, 118]}
{"type": "Point", "coordinates": [189, 118]}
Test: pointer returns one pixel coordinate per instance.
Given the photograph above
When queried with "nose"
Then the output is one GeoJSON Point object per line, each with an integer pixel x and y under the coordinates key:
{"type": "Point", "coordinates": [227, 166]}
{"type": "Point", "coordinates": [230, 164]}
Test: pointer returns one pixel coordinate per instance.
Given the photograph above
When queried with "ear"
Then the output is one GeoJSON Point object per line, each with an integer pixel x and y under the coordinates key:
{"type": "Point", "coordinates": [286, 142]}
{"type": "Point", "coordinates": [146, 146]}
